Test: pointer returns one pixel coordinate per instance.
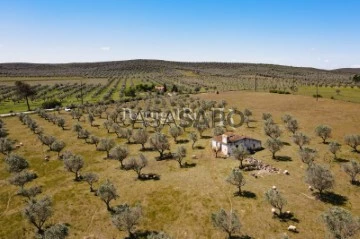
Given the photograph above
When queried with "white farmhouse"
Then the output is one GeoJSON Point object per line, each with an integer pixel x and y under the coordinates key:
{"type": "Point", "coordinates": [227, 142]}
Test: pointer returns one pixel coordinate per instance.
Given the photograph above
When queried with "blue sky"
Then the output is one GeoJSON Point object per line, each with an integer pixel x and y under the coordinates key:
{"type": "Point", "coordinates": [317, 33]}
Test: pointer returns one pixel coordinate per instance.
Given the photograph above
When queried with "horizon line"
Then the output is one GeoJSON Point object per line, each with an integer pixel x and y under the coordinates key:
{"type": "Point", "coordinates": [174, 61]}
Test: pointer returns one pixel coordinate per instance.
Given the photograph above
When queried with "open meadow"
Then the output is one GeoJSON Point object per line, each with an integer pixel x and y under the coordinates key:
{"type": "Point", "coordinates": [182, 201]}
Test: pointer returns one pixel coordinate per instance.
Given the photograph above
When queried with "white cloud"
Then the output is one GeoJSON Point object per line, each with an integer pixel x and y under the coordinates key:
{"type": "Point", "coordinates": [355, 66]}
{"type": "Point", "coordinates": [313, 49]}
{"type": "Point", "coordinates": [105, 48]}
{"type": "Point", "coordinates": [1, 45]}
{"type": "Point", "coordinates": [326, 60]}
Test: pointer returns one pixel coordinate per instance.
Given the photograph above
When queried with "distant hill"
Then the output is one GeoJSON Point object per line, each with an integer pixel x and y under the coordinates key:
{"type": "Point", "coordinates": [161, 68]}
{"type": "Point", "coordinates": [349, 70]}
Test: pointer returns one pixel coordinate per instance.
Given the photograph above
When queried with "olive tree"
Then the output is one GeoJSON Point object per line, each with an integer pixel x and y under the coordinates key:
{"type": "Point", "coordinates": [194, 138]}
{"type": "Point", "coordinates": [47, 140]}
{"type": "Point", "coordinates": [16, 163]}
{"type": "Point", "coordinates": [201, 127]}
{"type": "Point", "coordinates": [266, 116]}
{"type": "Point", "coordinates": [237, 179]}
{"type": "Point", "coordinates": [126, 134]}
{"type": "Point", "coordinates": [323, 131]}
{"type": "Point", "coordinates": [300, 139]}
{"type": "Point", "coordinates": [57, 146]}
{"type": "Point", "coordinates": [106, 144]}
{"type": "Point", "coordinates": [141, 136]}
{"type": "Point", "coordinates": [137, 164]}
{"type": "Point", "coordinates": [286, 118]}
{"type": "Point", "coordinates": [77, 128]}
{"type": "Point", "coordinates": [126, 218]}
{"type": "Point", "coordinates": [180, 155]}
{"type": "Point", "coordinates": [218, 131]}
{"type": "Point", "coordinates": [108, 124]}
{"type": "Point", "coordinates": [273, 145]}
{"type": "Point", "coordinates": [272, 130]}
{"type": "Point", "coordinates": [340, 224]}
{"type": "Point", "coordinates": [107, 192]}
{"type": "Point", "coordinates": [37, 212]}
{"type": "Point", "coordinates": [119, 153]}
{"type": "Point", "coordinates": [319, 178]}
{"type": "Point", "coordinates": [158, 235]}
{"type": "Point", "coordinates": [30, 192]}
{"type": "Point", "coordinates": [6, 146]}
{"type": "Point", "coordinates": [160, 143]}
{"type": "Point", "coordinates": [84, 134]}
{"type": "Point", "coordinates": [25, 91]}
{"type": "Point", "coordinates": [90, 178]}
{"type": "Point", "coordinates": [74, 163]}
{"type": "Point", "coordinates": [60, 122]}
{"type": "Point", "coordinates": [175, 132]}
{"type": "Point", "coordinates": [352, 169]}
{"type": "Point", "coordinates": [91, 119]}
{"type": "Point", "coordinates": [334, 147]}
{"type": "Point", "coordinates": [94, 140]}
{"type": "Point", "coordinates": [227, 222]}
{"type": "Point", "coordinates": [292, 126]}
{"type": "Point", "coordinates": [21, 178]}
{"type": "Point", "coordinates": [240, 153]}
{"type": "Point", "coordinates": [276, 200]}
{"type": "Point", "coordinates": [307, 155]}
{"type": "Point", "coordinates": [57, 231]}
{"type": "Point", "coordinates": [353, 141]}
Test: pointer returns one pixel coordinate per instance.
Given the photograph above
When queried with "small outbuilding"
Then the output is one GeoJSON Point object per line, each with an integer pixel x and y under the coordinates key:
{"type": "Point", "coordinates": [228, 141]}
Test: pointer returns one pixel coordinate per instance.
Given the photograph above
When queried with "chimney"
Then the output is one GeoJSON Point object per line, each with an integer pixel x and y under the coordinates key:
{"type": "Point", "coordinates": [224, 139]}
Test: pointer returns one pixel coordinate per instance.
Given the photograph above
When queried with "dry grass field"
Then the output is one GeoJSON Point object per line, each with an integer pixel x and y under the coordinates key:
{"type": "Point", "coordinates": [181, 202]}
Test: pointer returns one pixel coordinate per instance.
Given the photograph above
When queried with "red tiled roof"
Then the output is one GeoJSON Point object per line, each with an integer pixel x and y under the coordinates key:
{"type": "Point", "coordinates": [231, 137]}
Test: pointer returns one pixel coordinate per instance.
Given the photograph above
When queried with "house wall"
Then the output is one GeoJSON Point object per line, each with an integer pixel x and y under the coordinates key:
{"type": "Point", "coordinates": [227, 149]}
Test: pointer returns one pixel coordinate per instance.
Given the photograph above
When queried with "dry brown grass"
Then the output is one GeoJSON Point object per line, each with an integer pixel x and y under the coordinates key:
{"type": "Point", "coordinates": [182, 201]}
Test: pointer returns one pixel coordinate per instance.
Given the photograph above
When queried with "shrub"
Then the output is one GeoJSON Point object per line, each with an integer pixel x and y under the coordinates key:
{"type": "Point", "coordinates": [51, 104]}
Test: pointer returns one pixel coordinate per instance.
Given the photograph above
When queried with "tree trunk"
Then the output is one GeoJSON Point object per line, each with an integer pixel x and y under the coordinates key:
{"type": "Point", "coordinates": [273, 155]}
{"type": "Point", "coordinates": [193, 145]}
{"type": "Point", "coordinates": [240, 192]}
{"type": "Point", "coordinates": [108, 206]}
{"type": "Point", "coordinates": [27, 103]}
{"type": "Point", "coordinates": [76, 176]}
{"type": "Point", "coordinates": [180, 164]}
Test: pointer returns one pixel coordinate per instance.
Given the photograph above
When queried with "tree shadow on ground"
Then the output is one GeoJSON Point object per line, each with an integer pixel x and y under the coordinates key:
{"type": "Point", "coordinates": [245, 194]}
{"type": "Point", "coordinates": [206, 137]}
{"type": "Point", "coordinates": [341, 160]}
{"type": "Point", "coordinates": [332, 198]}
{"type": "Point", "coordinates": [355, 183]}
{"type": "Point", "coordinates": [251, 127]}
{"type": "Point", "coordinates": [199, 147]}
{"type": "Point", "coordinates": [146, 149]}
{"type": "Point", "coordinates": [286, 143]}
{"type": "Point", "coordinates": [257, 150]}
{"type": "Point", "coordinates": [285, 217]}
{"type": "Point", "coordinates": [182, 141]}
{"type": "Point", "coordinates": [283, 158]}
{"type": "Point", "coordinates": [188, 165]}
{"type": "Point", "coordinates": [242, 237]}
{"type": "Point", "coordinates": [166, 156]}
{"type": "Point", "coordinates": [149, 176]}
{"type": "Point", "coordinates": [142, 234]}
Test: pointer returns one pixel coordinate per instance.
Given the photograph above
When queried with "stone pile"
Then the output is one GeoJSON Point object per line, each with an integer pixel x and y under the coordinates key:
{"type": "Point", "coordinates": [254, 164]}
